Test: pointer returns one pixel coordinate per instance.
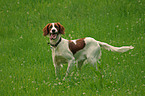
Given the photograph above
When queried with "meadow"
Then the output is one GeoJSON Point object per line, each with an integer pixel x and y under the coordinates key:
{"type": "Point", "coordinates": [26, 67]}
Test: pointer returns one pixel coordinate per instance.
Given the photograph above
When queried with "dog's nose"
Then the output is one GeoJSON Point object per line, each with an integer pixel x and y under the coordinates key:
{"type": "Point", "coordinates": [53, 30]}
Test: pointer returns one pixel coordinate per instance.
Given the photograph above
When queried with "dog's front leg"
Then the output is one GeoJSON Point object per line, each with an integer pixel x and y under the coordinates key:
{"type": "Point", "coordinates": [57, 70]}
{"type": "Point", "coordinates": [71, 65]}
{"type": "Point", "coordinates": [57, 67]}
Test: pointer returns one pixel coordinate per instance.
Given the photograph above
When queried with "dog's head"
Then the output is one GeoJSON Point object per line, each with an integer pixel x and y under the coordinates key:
{"type": "Point", "coordinates": [53, 30]}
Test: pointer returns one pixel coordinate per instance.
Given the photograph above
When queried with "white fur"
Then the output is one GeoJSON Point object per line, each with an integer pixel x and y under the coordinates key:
{"type": "Point", "coordinates": [91, 52]}
{"type": "Point", "coordinates": [53, 28]}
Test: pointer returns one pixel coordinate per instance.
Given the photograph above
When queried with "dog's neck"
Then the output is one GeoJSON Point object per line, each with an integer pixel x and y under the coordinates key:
{"type": "Point", "coordinates": [55, 42]}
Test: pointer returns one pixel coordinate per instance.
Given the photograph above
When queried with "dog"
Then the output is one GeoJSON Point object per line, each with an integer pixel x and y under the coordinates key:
{"type": "Point", "coordinates": [75, 51]}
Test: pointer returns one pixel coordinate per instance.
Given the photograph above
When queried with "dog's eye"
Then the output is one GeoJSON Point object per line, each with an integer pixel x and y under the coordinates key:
{"type": "Point", "coordinates": [51, 26]}
{"type": "Point", "coordinates": [56, 26]}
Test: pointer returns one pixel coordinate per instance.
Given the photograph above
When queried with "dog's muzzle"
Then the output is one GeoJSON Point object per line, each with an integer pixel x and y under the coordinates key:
{"type": "Point", "coordinates": [53, 36]}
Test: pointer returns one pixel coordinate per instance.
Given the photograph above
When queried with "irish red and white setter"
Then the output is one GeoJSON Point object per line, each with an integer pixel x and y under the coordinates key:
{"type": "Point", "coordinates": [75, 51]}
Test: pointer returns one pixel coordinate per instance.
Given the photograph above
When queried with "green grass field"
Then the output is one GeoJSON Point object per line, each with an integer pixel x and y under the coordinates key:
{"type": "Point", "coordinates": [26, 67]}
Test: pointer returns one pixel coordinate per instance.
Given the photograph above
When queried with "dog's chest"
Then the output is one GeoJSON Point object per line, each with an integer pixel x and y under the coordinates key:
{"type": "Point", "coordinates": [59, 56]}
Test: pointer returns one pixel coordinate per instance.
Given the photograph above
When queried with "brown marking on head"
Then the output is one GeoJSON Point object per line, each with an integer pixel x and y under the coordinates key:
{"type": "Point", "coordinates": [80, 44]}
{"type": "Point", "coordinates": [50, 27]}
{"type": "Point", "coordinates": [46, 29]}
{"type": "Point", "coordinates": [61, 28]}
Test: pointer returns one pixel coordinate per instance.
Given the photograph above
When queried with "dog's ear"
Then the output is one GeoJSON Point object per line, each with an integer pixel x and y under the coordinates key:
{"type": "Point", "coordinates": [61, 28]}
{"type": "Point", "coordinates": [46, 29]}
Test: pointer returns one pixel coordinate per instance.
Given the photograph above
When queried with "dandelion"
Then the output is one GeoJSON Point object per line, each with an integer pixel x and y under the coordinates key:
{"type": "Point", "coordinates": [117, 26]}
{"type": "Point", "coordinates": [21, 37]}
{"type": "Point", "coordinates": [115, 90]}
{"type": "Point", "coordinates": [36, 88]}
{"type": "Point", "coordinates": [116, 81]}
{"type": "Point", "coordinates": [21, 87]}
{"type": "Point", "coordinates": [33, 81]}
{"type": "Point", "coordinates": [68, 86]}
{"type": "Point", "coordinates": [69, 35]}
{"type": "Point", "coordinates": [55, 84]}
{"type": "Point", "coordinates": [75, 78]}
{"type": "Point", "coordinates": [84, 93]}
{"type": "Point", "coordinates": [57, 79]}
{"type": "Point", "coordinates": [43, 81]}
{"type": "Point", "coordinates": [59, 83]}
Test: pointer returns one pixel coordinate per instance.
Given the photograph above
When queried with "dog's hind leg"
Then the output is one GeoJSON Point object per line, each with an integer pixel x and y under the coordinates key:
{"type": "Point", "coordinates": [71, 66]}
{"type": "Point", "coordinates": [79, 64]}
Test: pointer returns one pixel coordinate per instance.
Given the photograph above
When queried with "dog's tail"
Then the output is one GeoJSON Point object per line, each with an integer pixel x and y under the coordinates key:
{"type": "Point", "coordinates": [115, 49]}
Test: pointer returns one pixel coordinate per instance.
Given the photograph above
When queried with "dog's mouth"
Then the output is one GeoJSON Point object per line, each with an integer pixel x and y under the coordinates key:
{"type": "Point", "coordinates": [53, 36]}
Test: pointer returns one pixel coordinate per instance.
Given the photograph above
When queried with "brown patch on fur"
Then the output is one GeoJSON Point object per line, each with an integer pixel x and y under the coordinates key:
{"type": "Point", "coordinates": [80, 44]}
{"type": "Point", "coordinates": [61, 28]}
{"type": "Point", "coordinates": [46, 29]}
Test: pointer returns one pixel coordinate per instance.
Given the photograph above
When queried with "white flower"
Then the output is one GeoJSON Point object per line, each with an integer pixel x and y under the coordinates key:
{"type": "Point", "coordinates": [27, 12]}
{"type": "Point", "coordinates": [84, 93]}
{"type": "Point", "coordinates": [59, 83]}
{"type": "Point", "coordinates": [21, 37]}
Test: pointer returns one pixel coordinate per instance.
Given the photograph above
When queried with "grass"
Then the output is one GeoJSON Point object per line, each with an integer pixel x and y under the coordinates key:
{"type": "Point", "coordinates": [26, 66]}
